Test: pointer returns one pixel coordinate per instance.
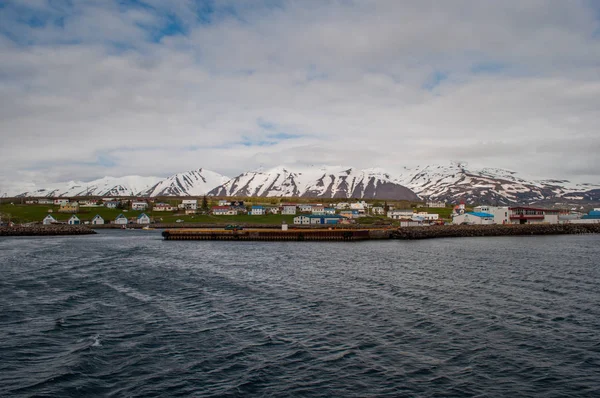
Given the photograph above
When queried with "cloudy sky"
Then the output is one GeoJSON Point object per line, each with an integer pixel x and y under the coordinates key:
{"type": "Point", "coordinates": [153, 87]}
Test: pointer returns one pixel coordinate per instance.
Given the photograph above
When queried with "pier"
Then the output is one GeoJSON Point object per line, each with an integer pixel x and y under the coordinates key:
{"type": "Point", "coordinates": [270, 234]}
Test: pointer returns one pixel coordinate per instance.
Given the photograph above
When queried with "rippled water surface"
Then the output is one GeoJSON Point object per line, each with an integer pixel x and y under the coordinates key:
{"type": "Point", "coordinates": [124, 313]}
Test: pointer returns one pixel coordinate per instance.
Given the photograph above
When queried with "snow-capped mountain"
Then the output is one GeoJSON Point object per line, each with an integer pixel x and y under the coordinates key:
{"type": "Point", "coordinates": [456, 181]}
{"type": "Point", "coordinates": [106, 186]}
{"type": "Point", "coordinates": [450, 182]}
{"type": "Point", "coordinates": [191, 183]}
{"type": "Point", "coordinates": [318, 182]}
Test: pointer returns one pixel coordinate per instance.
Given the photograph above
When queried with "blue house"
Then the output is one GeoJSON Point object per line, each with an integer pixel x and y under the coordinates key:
{"type": "Point", "coordinates": [257, 211]}
{"type": "Point", "coordinates": [592, 215]}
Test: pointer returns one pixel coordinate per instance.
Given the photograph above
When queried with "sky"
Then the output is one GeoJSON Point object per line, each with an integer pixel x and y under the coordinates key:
{"type": "Point", "coordinates": [90, 88]}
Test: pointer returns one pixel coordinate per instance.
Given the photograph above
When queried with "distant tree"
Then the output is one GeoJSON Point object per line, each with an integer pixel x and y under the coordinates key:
{"type": "Point", "coordinates": [204, 206]}
{"type": "Point", "coordinates": [386, 208]}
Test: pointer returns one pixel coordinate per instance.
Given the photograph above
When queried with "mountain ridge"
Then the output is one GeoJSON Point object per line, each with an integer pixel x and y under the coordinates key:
{"type": "Point", "coordinates": [451, 182]}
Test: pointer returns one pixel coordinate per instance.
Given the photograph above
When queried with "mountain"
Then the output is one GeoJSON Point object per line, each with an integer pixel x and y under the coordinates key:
{"type": "Point", "coordinates": [450, 182]}
{"type": "Point", "coordinates": [316, 182]}
{"type": "Point", "coordinates": [191, 183]}
{"type": "Point", "coordinates": [456, 181]}
{"type": "Point", "coordinates": [106, 186]}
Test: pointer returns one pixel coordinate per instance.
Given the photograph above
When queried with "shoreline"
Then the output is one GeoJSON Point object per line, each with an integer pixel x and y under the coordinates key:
{"type": "Point", "coordinates": [46, 230]}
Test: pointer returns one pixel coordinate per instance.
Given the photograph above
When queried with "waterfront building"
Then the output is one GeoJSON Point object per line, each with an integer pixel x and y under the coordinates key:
{"type": "Point", "coordinates": [143, 219]}
{"type": "Point", "coordinates": [473, 218]}
{"type": "Point", "coordinates": [97, 220]}
{"type": "Point", "coordinates": [500, 213]}
{"type": "Point", "coordinates": [425, 216]}
{"type": "Point", "coordinates": [48, 220]}
{"type": "Point", "coordinates": [121, 219]}
{"type": "Point", "coordinates": [532, 215]}
{"type": "Point", "coordinates": [316, 219]}
{"type": "Point", "coordinates": [410, 223]}
{"type": "Point", "coordinates": [74, 220]}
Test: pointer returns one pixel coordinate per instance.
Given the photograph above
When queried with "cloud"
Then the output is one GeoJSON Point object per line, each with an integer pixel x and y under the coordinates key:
{"type": "Point", "coordinates": [151, 87]}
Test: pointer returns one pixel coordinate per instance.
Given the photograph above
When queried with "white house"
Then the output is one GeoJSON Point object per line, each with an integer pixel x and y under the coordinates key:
{"type": "Point", "coordinates": [257, 211]}
{"type": "Point", "coordinates": [436, 204]}
{"type": "Point", "coordinates": [139, 205]}
{"type": "Point", "coordinates": [48, 220]}
{"type": "Point", "coordinates": [342, 206]}
{"type": "Point", "coordinates": [427, 216]}
{"type": "Point", "coordinates": [45, 201]}
{"type": "Point", "coordinates": [410, 223]}
{"type": "Point", "coordinates": [302, 220]}
{"type": "Point", "coordinates": [318, 210]}
{"type": "Point", "coordinates": [329, 210]}
{"type": "Point", "coordinates": [97, 220]}
{"type": "Point", "coordinates": [190, 204]}
{"type": "Point", "coordinates": [143, 219]}
{"type": "Point", "coordinates": [162, 207]}
{"type": "Point", "coordinates": [400, 214]}
{"type": "Point", "coordinates": [111, 205]}
{"type": "Point", "coordinates": [59, 202]}
{"type": "Point", "coordinates": [224, 211]}
{"type": "Point", "coordinates": [288, 209]}
{"type": "Point", "coordinates": [377, 211]}
{"type": "Point", "coordinates": [272, 210]}
{"type": "Point", "coordinates": [121, 219]}
{"type": "Point", "coordinates": [74, 220]}
{"type": "Point", "coordinates": [223, 202]}
{"type": "Point", "coordinates": [305, 208]}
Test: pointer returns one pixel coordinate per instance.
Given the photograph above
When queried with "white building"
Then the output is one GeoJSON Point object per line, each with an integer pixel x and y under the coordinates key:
{"type": "Point", "coordinates": [288, 209]}
{"type": "Point", "coordinates": [223, 202]}
{"type": "Point", "coordinates": [400, 214]}
{"type": "Point", "coordinates": [428, 216]}
{"type": "Point", "coordinates": [97, 220]}
{"type": "Point", "coordinates": [342, 206]}
{"type": "Point", "coordinates": [48, 220]}
{"type": "Point", "coordinates": [305, 208]}
{"type": "Point", "coordinates": [302, 220]}
{"type": "Point", "coordinates": [121, 220]}
{"type": "Point", "coordinates": [59, 202]}
{"type": "Point", "coordinates": [139, 205]}
{"type": "Point", "coordinates": [436, 204]}
{"type": "Point", "coordinates": [473, 218]}
{"type": "Point", "coordinates": [257, 211]}
{"type": "Point", "coordinates": [501, 213]}
{"type": "Point", "coordinates": [377, 211]}
{"type": "Point", "coordinates": [318, 210]}
{"type": "Point", "coordinates": [162, 207]}
{"type": "Point", "coordinates": [224, 211]}
{"type": "Point", "coordinates": [190, 204]}
{"type": "Point", "coordinates": [532, 215]}
{"type": "Point", "coordinates": [45, 201]}
{"type": "Point", "coordinates": [74, 220]}
{"type": "Point", "coordinates": [143, 219]}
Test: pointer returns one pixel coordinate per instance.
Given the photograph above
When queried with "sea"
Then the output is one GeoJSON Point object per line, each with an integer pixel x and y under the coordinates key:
{"type": "Point", "coordinates": [127, 314]}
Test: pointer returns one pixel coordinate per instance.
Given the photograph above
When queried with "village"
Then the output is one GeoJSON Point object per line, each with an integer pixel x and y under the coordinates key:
{"type": "Point", "coordinates": [143, 211]}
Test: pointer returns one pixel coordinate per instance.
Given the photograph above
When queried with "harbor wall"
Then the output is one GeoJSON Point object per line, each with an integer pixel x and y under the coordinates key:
{"type": "Point", "coordinates": [457, 231]}
{"type": "Point", "coordinates": [46, 230]}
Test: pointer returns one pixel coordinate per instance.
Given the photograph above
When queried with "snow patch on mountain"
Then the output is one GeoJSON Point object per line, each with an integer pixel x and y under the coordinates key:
{"type": "Point", "coordinates": [191, 183]}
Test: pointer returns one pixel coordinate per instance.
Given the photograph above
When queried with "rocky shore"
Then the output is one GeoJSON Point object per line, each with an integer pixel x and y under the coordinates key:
{"type": "Point", "coordinates": [46, 230]}
{"type": "Point", "coordinates": [458, 231]}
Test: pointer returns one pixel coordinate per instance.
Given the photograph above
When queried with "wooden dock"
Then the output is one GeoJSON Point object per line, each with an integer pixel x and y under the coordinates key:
{"type": "Point", "coordinates": [268, 234]}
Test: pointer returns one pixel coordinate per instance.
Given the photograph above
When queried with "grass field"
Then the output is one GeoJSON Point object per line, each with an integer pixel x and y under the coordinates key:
{"type": "Point", "coordinates": [20, 213]}
{"type": "Point", "coordinates": [35, 213]}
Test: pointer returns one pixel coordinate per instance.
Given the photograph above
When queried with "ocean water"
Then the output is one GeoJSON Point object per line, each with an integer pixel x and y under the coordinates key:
{"type": "Point", "coordinates": [126, 314]}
